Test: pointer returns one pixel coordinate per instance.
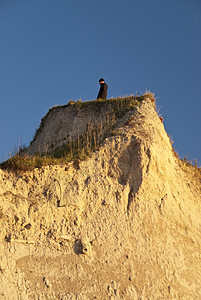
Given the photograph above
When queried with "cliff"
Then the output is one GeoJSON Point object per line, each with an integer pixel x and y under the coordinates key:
{"type": "Point", "coordinates": [122, 224]}
{"type": "Point", "coordinates": [64, 124]}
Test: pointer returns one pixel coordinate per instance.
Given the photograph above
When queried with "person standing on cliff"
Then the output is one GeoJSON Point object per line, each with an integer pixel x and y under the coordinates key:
{"type": "Point", "coordinates": [102, 94]}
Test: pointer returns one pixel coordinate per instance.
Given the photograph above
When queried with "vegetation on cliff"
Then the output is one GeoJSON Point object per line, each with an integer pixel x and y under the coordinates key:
{"type": "Point", "coordinates": [83, 145]}
{"type": "Point", "coordinates": [122, 224]}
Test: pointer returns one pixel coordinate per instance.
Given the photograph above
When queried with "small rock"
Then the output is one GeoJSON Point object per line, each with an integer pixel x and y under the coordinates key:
{"type": "Point", "coordinates": [71, 102]}
{"type": "Point", "coordinates": [66, 237]}
{"type": "Point", "coordinates": [8, 237]}
{"type": "Point", "coordinates": [16, 219]}
{"type": "Point", "coordinates": [30, 241]}
{"type": "Point", "coordinates": [47, 283]}
{"type": "Point", "coordinates": [28, 226]}
{"type": "Point", "coordinates": [105, 203]}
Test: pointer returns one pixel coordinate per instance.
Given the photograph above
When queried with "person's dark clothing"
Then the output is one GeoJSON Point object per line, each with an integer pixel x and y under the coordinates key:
{"type": "Point", "coordinates": [103, 91]}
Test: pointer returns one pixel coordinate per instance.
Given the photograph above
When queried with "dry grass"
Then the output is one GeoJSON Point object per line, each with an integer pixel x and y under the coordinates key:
{"type": "Point", "coordinates": [83, 145]}
{"type": "Point", "coordinates": [191, 169]}
{"type": "Point", "coordinates": [193, 172]}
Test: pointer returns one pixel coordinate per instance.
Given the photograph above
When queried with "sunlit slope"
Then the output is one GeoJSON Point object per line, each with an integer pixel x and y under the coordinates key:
{"type": "Point", "coordinates": [123, 224]}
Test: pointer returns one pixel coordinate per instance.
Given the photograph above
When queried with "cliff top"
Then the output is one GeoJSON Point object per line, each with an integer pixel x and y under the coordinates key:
{"type": "Point", "coordinates": [122, 224]}
{"type": "Point", "coordinates": [74, 131]}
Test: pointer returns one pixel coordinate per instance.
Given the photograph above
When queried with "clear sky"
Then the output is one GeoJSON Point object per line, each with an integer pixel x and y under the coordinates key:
{"type": "Point", "coordinates": [53, 51]}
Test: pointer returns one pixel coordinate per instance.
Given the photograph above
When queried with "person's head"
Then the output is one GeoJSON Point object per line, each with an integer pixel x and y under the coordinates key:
{"type": "Point", "coordinates": [101, 80]}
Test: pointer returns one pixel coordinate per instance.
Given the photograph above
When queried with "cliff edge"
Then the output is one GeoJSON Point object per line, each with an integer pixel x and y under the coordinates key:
{"type": "Point", "coordinates": [123, 224]}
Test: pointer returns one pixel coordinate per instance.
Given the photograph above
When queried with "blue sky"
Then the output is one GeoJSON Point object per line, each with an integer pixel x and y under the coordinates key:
{"type": "Point", "coordinates": [56, 50]}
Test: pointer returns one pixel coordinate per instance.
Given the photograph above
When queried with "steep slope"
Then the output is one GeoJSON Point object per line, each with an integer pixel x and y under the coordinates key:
{"type": "Point", "coordinates": [124, 224]}
{"type": "Point", "coordinates": [68, 122]}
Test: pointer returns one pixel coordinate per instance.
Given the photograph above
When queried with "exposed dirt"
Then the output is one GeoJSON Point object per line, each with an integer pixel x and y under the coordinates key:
{"type": "Point", "coordinates": [124, 224]}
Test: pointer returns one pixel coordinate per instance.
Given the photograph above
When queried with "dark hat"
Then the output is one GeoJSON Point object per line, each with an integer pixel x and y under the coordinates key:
{"type": "Point", "coordinates": [101, 79]}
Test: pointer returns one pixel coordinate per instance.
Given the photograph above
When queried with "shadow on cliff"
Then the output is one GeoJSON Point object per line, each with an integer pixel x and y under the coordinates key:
{"type": "Point", "coordinates": [130, 167]}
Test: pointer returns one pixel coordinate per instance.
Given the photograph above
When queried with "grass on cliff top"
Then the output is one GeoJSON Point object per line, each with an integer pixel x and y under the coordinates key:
{"type": "Point", "coordinates": [83, 145]}
{"type": "Point", "coordinates": [121, 105]}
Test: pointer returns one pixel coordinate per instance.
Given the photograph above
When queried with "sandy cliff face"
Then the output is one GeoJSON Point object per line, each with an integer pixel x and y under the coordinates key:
{"type": "Point", "coordinates": [67, 122]}
{"type": "Point", "coordinates": [124, 224]}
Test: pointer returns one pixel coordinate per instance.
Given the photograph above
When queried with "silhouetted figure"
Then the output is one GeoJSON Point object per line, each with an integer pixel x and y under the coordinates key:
{"type": "Point", "coordinates": [103, 89]}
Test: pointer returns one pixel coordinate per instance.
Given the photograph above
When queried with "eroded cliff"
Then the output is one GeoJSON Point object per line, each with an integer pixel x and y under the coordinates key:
{"type": "Point", "coordinates": [123, 224]}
